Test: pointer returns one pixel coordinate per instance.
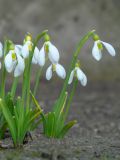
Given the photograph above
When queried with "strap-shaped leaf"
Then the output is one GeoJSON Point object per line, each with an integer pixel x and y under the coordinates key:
{"type": "Point", "coordinates": [9, 102]}
{"type": "Point", "coordinates": [3, 128]}
{"type": "Point", "coordinates": [21, 118]}
{"type": "Point", "coordinates": [66, 128]}
{"type": "Point", "coordinates": [44, 119]}
{"type": "Point", "coordinates": [9, 118]}
{"type": "Point", "coordinates": [34, 125]}
{"type": "Point", "coordinates": [53, 124]}
{"type": "Point", "coordinates": [35, 102]}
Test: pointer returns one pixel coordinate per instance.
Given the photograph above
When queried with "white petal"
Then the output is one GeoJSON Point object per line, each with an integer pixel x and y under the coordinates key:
{"type": "Point", "coordinates": [34, 61]}
{"type": "Point", "coordinates": [60, 71]}
{"type": "Point", "coordinates": [18, 49]}
{"type": "Point", "coordinates": [8, 62]}
{"type": "Point", "coordinates": [35, 56]}
{"type": "Point", "coordinates": [25, 51]}
{"type": "Point", "coordinates": [109, 48]}
{"type": "Point", "coordinates": [19, 69]}
{"type": "Point", "coordinates": [41, 57]}
{"type": "Point", "coordinates": [53, 53]}
{"type": "Point", "coordinates": [19, 46]}
{"type": "Point", "coordinates": [49, 73]}
{"type": "Point", "coordinates": [96, 52]}
{"type": "Point", "coordinates": [81, 77]}
{"type": "Point", "coordinates": [84, 80]}
{"type": "Point", "coordinates": [79, 73]}
{"type": "Point", "coordinates": [28, 43]}
{"type": "Point", "coordinates": [1, 50]}
{"type": "Point", "coordinates": [36, 53]}
{"type": "Point", "coordinates": [71, 77]}
{"type": "Point", "coordinates": [21, 62]}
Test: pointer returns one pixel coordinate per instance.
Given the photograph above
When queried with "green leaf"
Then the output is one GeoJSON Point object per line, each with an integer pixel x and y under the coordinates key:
{"type": "Point", "coordinates": [3, 128]}
{"type": "Point", "coordinates": [35, 102]}
{"type": "Point", "coordinates": [9, 102]}
{"type": "Point", "coordinates": [21, 120]}
{"type": "Point", "coordinates": [35, 124]}
{"type": "Point", "coordinates": [9, 118]}
{"type": "Point", "coordinates": [34, 116]}
{"type": "Point", "coordinates": [44, 119]}
{"type": "Point", "coordinates": [53, 124]}
{"type": "Point", "coordinates": [66, 128]}
{"type": "Point", "coordinates": [60, 110]}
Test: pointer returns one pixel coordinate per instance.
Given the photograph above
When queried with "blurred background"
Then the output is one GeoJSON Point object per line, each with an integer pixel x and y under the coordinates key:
{"type": "Point", "coordinates": [97, 106]}
{"type": "Point", "coordinates": [67, 21]}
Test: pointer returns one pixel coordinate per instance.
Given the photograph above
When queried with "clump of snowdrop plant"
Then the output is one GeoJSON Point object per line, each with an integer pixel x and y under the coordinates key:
{"type": "Point", "coordinates": [21, 115]}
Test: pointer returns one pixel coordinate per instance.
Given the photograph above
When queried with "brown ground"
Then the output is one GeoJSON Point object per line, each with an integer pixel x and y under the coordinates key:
{"type": "Point", "coordinates": [95, 137]}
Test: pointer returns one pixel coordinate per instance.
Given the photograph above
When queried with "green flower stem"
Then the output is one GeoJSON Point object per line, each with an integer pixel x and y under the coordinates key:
{"type": "Point", "coordinates": [37, 79]}
{"type": "Point", "coordinates": [24, 81]}
{"type": "Point", "coordinates": [14, 87]}
{"type": "Point", "coordinates": [28, 87]}
{"type": "Point", "coordinates": [74, 60]}
{"type": "Point", "coordinates": [38, 75]}
{"type": "Point", "coordinates": [29, 67]}
{"type": "Point", "coordinates": [3, 70]}
{"type": "Point", "coordinates": [70, 97]}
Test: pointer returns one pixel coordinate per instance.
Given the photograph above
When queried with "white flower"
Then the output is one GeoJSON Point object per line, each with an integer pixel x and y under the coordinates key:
{"type": "Point", "coordinates": [1, 52]}
{"type": "Point", "coordinates": [59, 69]}
{"type": "Point", "coordinates": [52, 52]}
{"type": "Point", "coordinates": [14, 62]}
{"type": "Point", "coordinates": [77, 72]}
{"type": "Point", "coordinates": [25, 51]}
{"type": "Point", "coordinates": [97, 49]}
{"type": "Point", "coordinates": [18, 48]}
{"type": "Point", "coordinates": [35, 56]}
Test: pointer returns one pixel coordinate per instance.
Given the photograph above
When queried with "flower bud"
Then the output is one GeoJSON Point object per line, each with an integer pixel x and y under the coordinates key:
{"type": "Point", "coordinates": [96, 37]}
{"type": "Point", "coordinates": [28, 37]}
{"type": "Point", "coordinates": [77, 64]}
{"type": "Point", "coordinates": [47, 38]}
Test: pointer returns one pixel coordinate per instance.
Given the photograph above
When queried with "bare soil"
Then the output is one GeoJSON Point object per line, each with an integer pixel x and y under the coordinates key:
{"type": "Point", "coordinates": [96, 136]}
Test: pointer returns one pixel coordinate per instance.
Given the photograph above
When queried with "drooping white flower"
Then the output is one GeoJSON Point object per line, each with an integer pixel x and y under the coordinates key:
{"type": "Point", "coordinates": [18, 48]}
{"type": "Point", "coordinates": [35, 56]}
{"type": "Point", "coordinates": [50, 50]}
{"type": "Point", "coordinates": [79, 74]}
{"type": "Point", "coordinates": [14, 63]}
{"type": "Point", "coordinates": [58, 68]}
{"type": "Point", "coordinates": [98, 47]}
{"type": "Point", "coordinates": [27, 48]}
{"type": "Point", "coordinates": [1, 52]}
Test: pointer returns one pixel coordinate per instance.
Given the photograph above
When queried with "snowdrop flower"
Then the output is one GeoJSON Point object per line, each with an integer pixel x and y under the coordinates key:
{"type": "Point", "coordinates": [1, 52]}
{"type": "Point", "coordinates": [58, 68]}
{"type": "Point", "coordinates": [18, 47]}
{"type": "Point", "coordinates": [27, 47]}
{"type": "Point", "coordinates": [50, 50]}
{"type": "Point", "coordinates": [98, 47]}
{"type": "Point", "coordinates": [14, 62]}
{"type": "Point", "coordinates": [79, 74]}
